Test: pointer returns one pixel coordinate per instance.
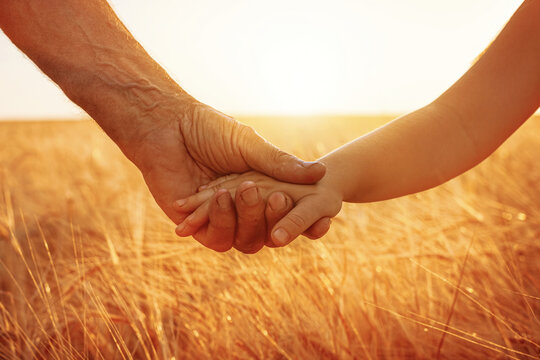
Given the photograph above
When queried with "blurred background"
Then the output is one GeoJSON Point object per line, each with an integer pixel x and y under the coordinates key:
{"type": "Point", "coordinates": [281, 57]}
{"type": "Point", "coordinates": [90, 267]}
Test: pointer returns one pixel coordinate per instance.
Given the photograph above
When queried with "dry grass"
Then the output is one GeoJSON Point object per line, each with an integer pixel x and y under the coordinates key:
{"type": "Point", "coordinates": [90, 268]}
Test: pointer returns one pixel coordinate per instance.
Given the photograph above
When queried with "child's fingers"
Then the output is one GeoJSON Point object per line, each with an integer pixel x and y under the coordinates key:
{"type": "Point", "coordinates": [298, 220]}
{"type": "Point", "coordinates": [192, 202]}
{"type": "Point", "coordinates": [278, 205]}
{"type": "Point", "coordinates": [251, 227]}
{"type": "Point", "coordinates": [218, 235]}
{"type": "Point", "coordinates": [318, 229]}
{"type": "Point", "coordinates": [218, 181]}
{"type": "Point", "coordinates": [194, 221]}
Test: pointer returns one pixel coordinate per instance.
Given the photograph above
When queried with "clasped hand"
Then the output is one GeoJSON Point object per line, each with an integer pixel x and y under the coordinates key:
{"type": "Point", "coordinates": [247, 224]}
{"type": "Point", "coordinates": [179, 155]}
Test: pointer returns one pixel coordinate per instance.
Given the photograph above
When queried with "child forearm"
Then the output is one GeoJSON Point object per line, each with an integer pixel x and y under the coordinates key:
{"type": "Point", "coordinates": [412, 153]}
{"type": "Point", "coordinates": [454, 133]}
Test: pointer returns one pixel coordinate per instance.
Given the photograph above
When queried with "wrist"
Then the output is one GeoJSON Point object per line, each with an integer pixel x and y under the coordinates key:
{"type": "Point", "coordinates": [333, 179]}
{"type": "Point", "coordinates": [129, 104]}
{"type": "Point", "coordinates": [114, 80]}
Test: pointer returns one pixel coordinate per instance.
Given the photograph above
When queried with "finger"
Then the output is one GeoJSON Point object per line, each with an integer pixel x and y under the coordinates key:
{"type": "Point", "coordinates": [180, 217]}
{"type": "Point", "coordinates": [278, 205]}
{"type": "Point", "coordinates": [191, 203]}
{"type": "Point", "coordinates": [194, 221]}
{"type": "Point", "coordinates": [251, 227]}
{"type": "Point", "coordinates": [218, 181]}
{"type": "Point", "coordinates": [298, 220]}
{"type": "Point", "coordinates": [218, 235]}
{"type": "Point", "coordinates": [268, 159]}
{"type": "Point", "coordinates": [318, 229]}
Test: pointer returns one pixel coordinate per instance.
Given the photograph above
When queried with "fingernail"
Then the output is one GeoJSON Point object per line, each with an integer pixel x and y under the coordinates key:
{"type": "Point", "coordinates": [181, 202]}
{"type": "Point", "coordinates": [250, 196]}
{"type": "Point", "coordinates": [277, 202]}
{"type": "Point", "coordinates": [223, 200]}
{"type": "Point", "coordinates": [280, 236]}
{"type": "Point", "coordinates": [201, 188]}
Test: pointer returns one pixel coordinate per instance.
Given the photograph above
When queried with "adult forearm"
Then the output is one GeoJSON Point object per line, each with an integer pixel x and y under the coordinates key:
{"type": "Point", "coordinates": [83, 47]}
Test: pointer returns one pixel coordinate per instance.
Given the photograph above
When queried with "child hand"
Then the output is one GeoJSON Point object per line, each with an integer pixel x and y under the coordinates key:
{"type": "Point", "coordinates": [313, 202]}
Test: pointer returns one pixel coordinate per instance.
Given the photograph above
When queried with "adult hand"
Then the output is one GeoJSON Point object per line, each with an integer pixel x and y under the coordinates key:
{"type": "Point", "coordinates": [240, 223]}
{"type": "Point", "coordinates": [246, 223]}
{"type": "Point", "coordinates": [178, 143]}
{"type": "Point", "coordinates": [189, 146]}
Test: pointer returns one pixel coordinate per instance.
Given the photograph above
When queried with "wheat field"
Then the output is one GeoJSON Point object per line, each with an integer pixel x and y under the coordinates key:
{"type": "Point", "coordinates": [91, 269]}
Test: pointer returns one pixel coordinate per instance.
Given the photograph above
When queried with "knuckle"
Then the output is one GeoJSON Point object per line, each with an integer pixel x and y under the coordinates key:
{"type": "Point", "coordinates": [296, 220]}
{"type": "Point", "coordinates": [221, 180]}
{"type": "Point", "coordinates": [253, 177]}
{"type": "Point", "coordinates": [245, 135]}
{"type": "Point", "coordinates": [224, 226]}
{"type": "Point", "coordinates": [281, 157]}
{"type": "Point", "coordinates": [222, 221]}
{"type": "Point", "coordinates": [214, 189]}
{"type": "Point", "coordinates": [247, 131]}
{"type": "Point", "coordinates": [189, 221]}
{"type": "Point", "coordinates": [221, 226]}
{"type": "Point", "coordinates": [230, 177]}
{"type": "Point", "coordinates": [279, 160]}
{"type": "Point", "coordinates": [249, 215]}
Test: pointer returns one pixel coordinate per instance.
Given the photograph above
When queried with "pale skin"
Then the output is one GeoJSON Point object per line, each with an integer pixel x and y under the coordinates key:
{"type": "Point", "coordinates": [177, 142]}
{"type": "Point", "coordinates": [412, 153]}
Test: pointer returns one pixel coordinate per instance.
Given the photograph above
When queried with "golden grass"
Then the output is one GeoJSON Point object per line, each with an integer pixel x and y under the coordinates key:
{"type": "Point", "coordinates": [90, 268]}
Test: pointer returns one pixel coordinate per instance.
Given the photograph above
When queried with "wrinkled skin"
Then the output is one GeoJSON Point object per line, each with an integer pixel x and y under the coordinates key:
{"type": "Point", "coordinates": [178, 156]}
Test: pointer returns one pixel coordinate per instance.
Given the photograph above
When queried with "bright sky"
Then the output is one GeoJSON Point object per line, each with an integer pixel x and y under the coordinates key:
{"type": "Point", "coordinates": [288, 56]}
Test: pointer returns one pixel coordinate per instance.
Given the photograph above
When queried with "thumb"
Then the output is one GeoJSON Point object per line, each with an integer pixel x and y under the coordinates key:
{"type": "Point", "coordinates": [264, 157]}
{"type": "Point", "coordinates": [298, 220]}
